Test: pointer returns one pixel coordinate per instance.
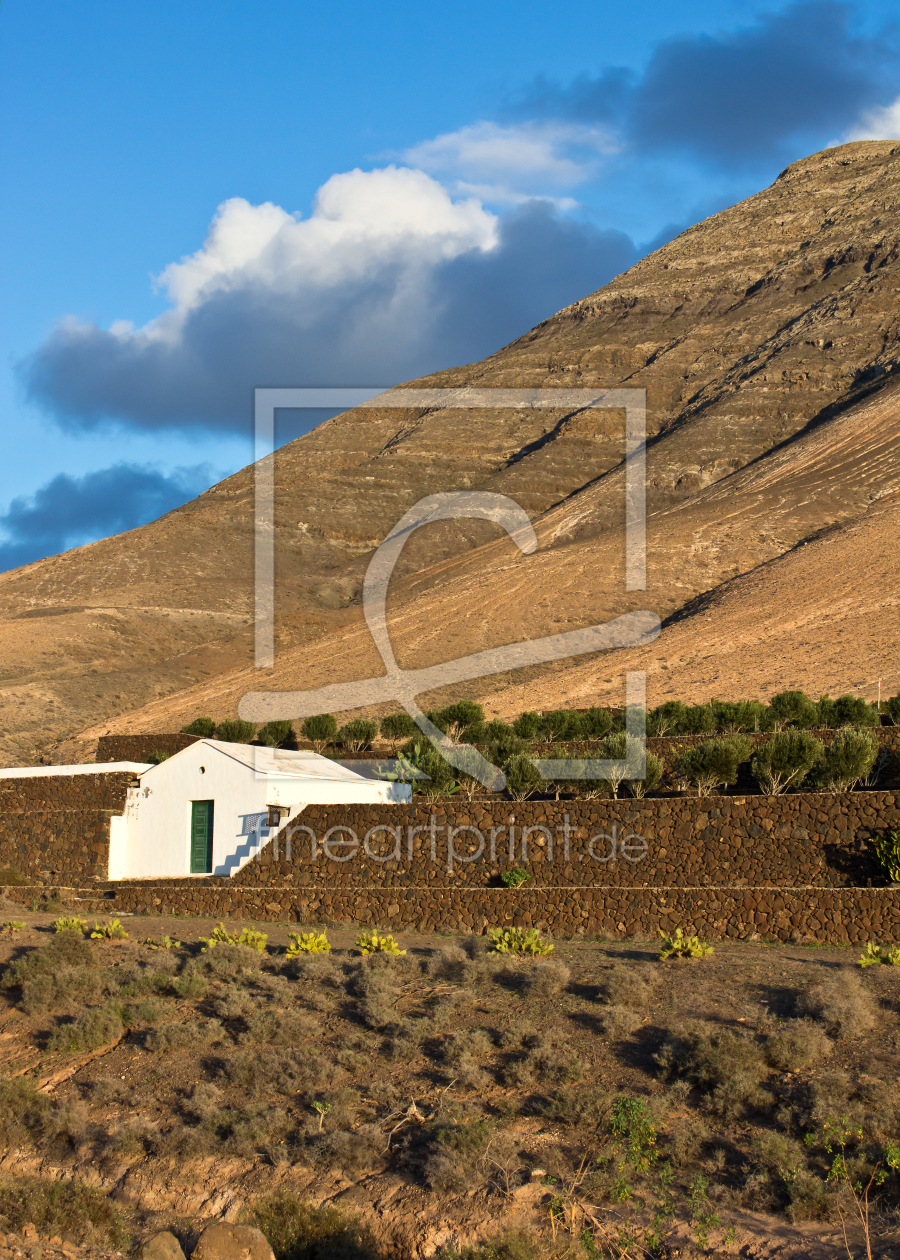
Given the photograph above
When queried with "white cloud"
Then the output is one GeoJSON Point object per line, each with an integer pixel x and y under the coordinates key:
{"type": "Point", "coordinates": [517, 163]}
{"type": "Point", "coordinates": [390, 277]}
{"type": "Point", "coordinates": [877, 124]}
{"type": "Point", "coordinates": [361, 221]}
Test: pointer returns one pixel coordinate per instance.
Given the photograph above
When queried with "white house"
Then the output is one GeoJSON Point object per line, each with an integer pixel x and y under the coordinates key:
{"type": "Point", "coordinates": [209, 808]}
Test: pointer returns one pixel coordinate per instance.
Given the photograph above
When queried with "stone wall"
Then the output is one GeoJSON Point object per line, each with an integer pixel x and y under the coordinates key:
{"type": "Point", "coordinates": [56, 827]}
{"type": "Point", "coordinates": [140, 747]}
{"type": "Point", "coordinates": [821, 840]}
{"type": "Point", "coordinates": [827, 915]}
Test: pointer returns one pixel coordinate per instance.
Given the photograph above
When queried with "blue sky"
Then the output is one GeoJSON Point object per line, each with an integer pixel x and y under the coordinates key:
{"type": "Point", "coordinates": [200, 198]}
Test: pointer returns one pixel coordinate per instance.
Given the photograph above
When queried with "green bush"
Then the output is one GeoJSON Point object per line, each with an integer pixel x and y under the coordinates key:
{"type": "Point", "coordinates": [515, 878]}
{"type": "Point", "coordinates": [887, 850]}
{"type": "Point", "coordinates": [847, 710]}
{"type": "Point", "coordinates": [785, 760]}
{"type": "Point", "coordinates": [456, 717]}
{"type": "Point", "coordinates": [666, 719]}
{"type": "Point", "coordinates": [95, 1027]}
{"type": "Point", "coordinates": [794, 709]}
{"type": "Point", "coordinates": [298, 1231]}
{"type": "Point", "coordinates": [423, 756]}
{"type": "Point", "coordinates": [742, 715]}
{"type": "Point", "coordinates": [357, 735]}
{"type": "Point", "coordinates": [203, 726]}
{"type": "Point", "coordinates": [848, 758]}
{"type": "Point", "coordinates": [596, 722]}
{"type": "Point", "coordinates": [65, 1209]}
{"type": "Point", "coordinates": [517, 940]}
{"type": "Point", "coordinates": [562, 724]}
{"type": "Point", "coordinates": [713, 763]}
{"type": "Point", "coordinates": [276, 733]}
{"type": "Point", "coordinates": [698, 719]}
{"type": "Point", "coordinates": [397, 726]}
{"type": "Point", "coordinates": [320, 730]}
{"type": "Point", "coordinates": [528, 725]}
{"type": "Point", "coordinates": [523, 779]}
{"type": "Point", "coordinates": [235, 731]}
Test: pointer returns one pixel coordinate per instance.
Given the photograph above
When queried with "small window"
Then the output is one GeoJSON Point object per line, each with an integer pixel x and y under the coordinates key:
{"type": "Point", "coordinates": [276, 813]}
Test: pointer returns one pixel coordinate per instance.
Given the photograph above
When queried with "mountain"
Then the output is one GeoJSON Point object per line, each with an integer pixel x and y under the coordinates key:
{"type": "Point", "coordinates": [767, 340]}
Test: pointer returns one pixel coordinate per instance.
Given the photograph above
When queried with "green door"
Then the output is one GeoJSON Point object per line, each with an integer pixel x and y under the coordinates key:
{"type": "Point", "coordinates": [201, 837]}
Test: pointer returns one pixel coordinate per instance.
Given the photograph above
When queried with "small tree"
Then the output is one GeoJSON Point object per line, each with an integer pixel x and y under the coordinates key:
{"type": "Point", "coordinates": [596, 722]}
{"type": "Point", "coordinates": [785, 760]}
{"type": "Point", "coordinates": [698, 719]}
{"type": "Point", "coordinates": [276, 733]}
{"type": "Point", "coordinates": [713, 763]}
{"type": "Point", "coordinates": [653, 773]}
{"type": "Point", "coordinates": [892, 708]}
{"type": "Point", "coordinates": [320, 730]}
{"type": "Point", "coordinates": [358, 734]}
{"type": "Point", "coordinates": [202, 726]}
{"type": "Point", "coordinates": [740, 715]}
{"type": "Point", "coordinates": [666, 719]}
{"type": "Point", "coordinates": [456, 717]}
{"type": "Point", "coordinates": [854, 711]}
{"type": "Point", "coordinates": [398, 726]}
{"type": "Point", "coordinates": [626, 751]}
{"type": "Point", "coordinates": [848, 758]}
{"type": "Point", "coordinates": [424, 757]}
{"type": "Point", "coordinates": [793, 708]}
{"type": "Point", "coordinates": [528, 725]}
{"type": "Point", "coordinates": [523, 779]}
{"type": "Point", "coordinates": [563, 724]}
{"type": "Point", "coordinates": [235, 731]}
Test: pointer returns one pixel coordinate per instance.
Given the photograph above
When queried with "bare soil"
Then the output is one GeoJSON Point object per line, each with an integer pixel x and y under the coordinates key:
{"type": "Point", "coordinates": [450, 1095]}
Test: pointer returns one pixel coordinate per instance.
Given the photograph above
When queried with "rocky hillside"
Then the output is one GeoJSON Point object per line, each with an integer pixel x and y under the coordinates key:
{"type": "Point", "coordinates": [766, 338]}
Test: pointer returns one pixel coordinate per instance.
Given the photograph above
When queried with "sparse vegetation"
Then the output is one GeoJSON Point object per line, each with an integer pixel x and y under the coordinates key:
{"type": "Point", "coordinates": [517, 940]}
{"type": "Point", "coordinates": [681, 946]}
{"type": "Point", "coordinates": [874, 954]}
{"type": "Point", "coordinates": [307, 943]}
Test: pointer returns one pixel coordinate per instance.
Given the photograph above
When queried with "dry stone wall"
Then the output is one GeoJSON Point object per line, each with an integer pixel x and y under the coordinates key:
{"type": "Point", "coordinates": [56, 827]}
{"type": "Point", "coordinates": [140, 747]}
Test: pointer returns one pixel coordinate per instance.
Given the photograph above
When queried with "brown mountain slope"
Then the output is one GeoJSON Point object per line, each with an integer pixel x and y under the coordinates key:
{"type": "Point", "coordinates": [811, 526]}
{"type": "Point", "coordinates": [743, 330]}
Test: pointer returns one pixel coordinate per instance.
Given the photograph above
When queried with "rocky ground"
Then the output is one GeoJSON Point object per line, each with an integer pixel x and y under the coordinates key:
{"type": "Point", "coordinates": [428, 1103]}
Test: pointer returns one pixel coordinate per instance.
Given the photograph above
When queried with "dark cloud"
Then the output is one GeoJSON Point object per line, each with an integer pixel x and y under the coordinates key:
{"type": "Point", "coordinates": [376, 329]}
{"type": "Point", "coordinates": [68, 511]}
{"type": "Point", "coordinates": [800, 76]}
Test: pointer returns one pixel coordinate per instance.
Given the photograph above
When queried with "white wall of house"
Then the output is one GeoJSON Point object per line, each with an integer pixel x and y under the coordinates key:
{"type": "Point", "coordinates": [153, 837]}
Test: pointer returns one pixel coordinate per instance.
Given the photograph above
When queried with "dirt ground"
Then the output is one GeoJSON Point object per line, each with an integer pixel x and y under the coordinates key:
{"type": "Point", "coordinates": [449, 1095]}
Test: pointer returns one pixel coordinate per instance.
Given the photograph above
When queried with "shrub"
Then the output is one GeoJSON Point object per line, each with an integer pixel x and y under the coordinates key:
{"type": "Point", "coordinates": [798, 1044]}
{"type": "Point", "coordinates": [653, 772]}
{"type": "Point", "coordinates": [203, 726]}
{"type": "Point", "coordinates": [320, 730]}
{"type": "Point", "coordinates": [235, 731]}
{"type": "Point", "coordinates": [698, 719]}
{"type": "Point", "coordinates": [795, 709]}
{"type": "Point", "coordinates": [12, 877]}
{"type": "Point", "coordinates": [727, 1066]}
{"type": "Point", "coordinates": [398, 726]}
{"type": "Point", "coordinates": [596, 722]}
{"type": "Point", "coordinates": [873, 954]}
{"type": "Point", "coordinates": [785, 760]}
{"type": "Point", "coordinates": [887, 850]}
{"type": "Point", "coordinates": [62, 1209]}
{"type": "Point", "coordinates": [619, 1021]}
{"type": "Point", "coordinates": [68, 949]}
{"type": "Point", "coordinates": [741, 715]}
{"type": "Point", "coordinates": [848, 758]}
{"type": "Point", "coordinates": [373, 943]}
{"type": "Point", "coordinates": [175, 1036]}
{"type": "Point", "coordinates": [111, 930]}
{"type": "Point", "coordinates": [307, 943]}
{"type": "Point", "coordinates": [621, 748]}
{"type": "Point", "coordinates": [627, 987]}
{"type": "Point", "coordinates": [457, 717]}
{"type": "Point", "coordinates": [70, 924]}
{"type": "Point", "coordinates": [523, 778]}
{"type": "Point", "coordinates": [841, 1003]}
{"type": "Point", "coordinates": [517, 940]}
{"type": "Point", "coordinates": [299, 1231]}
{"type": "Point", "coordinates": [276, 733]}
{"type": "Point", "coordinates": [95, 1027]}
{"type": "Point", "coordinates": [713, 763]}
{"type": "Point", "coordinates": [357, 735]}
{"type": "Point", "coordinates": [424, 757]}
{"type": "Point", "coordinates": [528, 725]}
{"type": "Point", "coordinates": [847, 710]}
{"type": "Point", "coordinates": [515, 878]}
{"type": "Point", "coordinates": [547, 978]}
{"type": "Point", "coordinates": [246, 937]}
{"type": "Point", "coordinates": [666, 719]}
{"type": "Point", "coordinates": [563, 724]}
{"type": "Point", "coordinates": [892, 708]}
{"type": "Point", "coordinates": [681, 946]}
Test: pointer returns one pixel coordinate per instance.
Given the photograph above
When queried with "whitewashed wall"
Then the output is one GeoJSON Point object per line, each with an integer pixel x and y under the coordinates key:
{"type": "Point", "coordinates": [152, 839]}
